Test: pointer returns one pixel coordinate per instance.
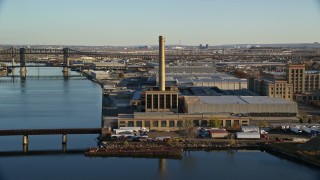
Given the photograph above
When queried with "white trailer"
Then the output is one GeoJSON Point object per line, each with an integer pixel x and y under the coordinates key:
{"type": "Point", "coordinates": [248, 135]}
{"type": "Point", "coordinates": [135, 128]}
{"type": "Point", "coordinates": [122, 131]}
{"type": "Point", "coordinates": [250, 129]}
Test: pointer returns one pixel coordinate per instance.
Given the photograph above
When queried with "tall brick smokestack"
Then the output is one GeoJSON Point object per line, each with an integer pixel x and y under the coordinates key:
{"type": "Point", "coordinates": [162, 66]}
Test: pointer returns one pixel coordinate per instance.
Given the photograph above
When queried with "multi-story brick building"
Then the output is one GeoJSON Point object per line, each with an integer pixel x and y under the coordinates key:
{"type": "Point", "coordinates": [298, 82]}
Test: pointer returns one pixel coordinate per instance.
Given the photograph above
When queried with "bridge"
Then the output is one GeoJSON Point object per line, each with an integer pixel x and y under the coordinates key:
{"type": "Point", "coordinates": [67, 52]}
{"type": "Point", "coordinates": [26, 132]}
{"type": "Point", "coordinates": [74, 77]}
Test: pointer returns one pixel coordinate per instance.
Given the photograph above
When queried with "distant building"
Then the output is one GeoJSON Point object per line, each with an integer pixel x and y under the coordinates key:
{"type": "Point", "coordinates": [298, 82]}
{"type": "Point", "coordinates": [271, 87]}
{"type": "Point", "coordinates": [204, 47]}
{"type": "Point", "coordinates": [108, 65]}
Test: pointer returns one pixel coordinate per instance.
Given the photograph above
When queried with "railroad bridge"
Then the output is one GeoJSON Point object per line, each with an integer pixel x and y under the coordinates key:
{"type": "Point", "coordinates": [67, 52]}
{"type": "Point", "coordinates": [26, 132]}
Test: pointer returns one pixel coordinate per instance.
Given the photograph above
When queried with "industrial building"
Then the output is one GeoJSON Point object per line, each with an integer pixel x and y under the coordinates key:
{"type": "Point", "coordinates": [175, 121]}
{"type": "Point", "coordinates": [187, 69]}
{"type": "Point", "coordinates": [108, 65]}
{"type": "Point", "coordinates": [271, 87]}
{"type": "Point", "coordinates": [298, 83]}
{"type": "Point", "coordinates": [199, 98]}
{"type": "Point", "coordinates": [252, 106]}
{"type": "Point", "coordinates": [221, 81]}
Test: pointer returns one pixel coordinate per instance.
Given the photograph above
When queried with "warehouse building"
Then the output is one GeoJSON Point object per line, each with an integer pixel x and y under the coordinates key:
{"type": "Point", "coordinates": [252, 106]}
{"type": "Point", "coordinates": [173, 121]}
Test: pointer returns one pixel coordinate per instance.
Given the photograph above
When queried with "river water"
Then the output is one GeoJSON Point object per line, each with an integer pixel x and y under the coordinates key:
{"type": "Point", "coordinates": [77, 103]}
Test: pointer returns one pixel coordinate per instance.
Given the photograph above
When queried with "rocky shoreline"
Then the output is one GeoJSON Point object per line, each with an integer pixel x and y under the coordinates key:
{"type": "Point", "coordinates": [284, 149]}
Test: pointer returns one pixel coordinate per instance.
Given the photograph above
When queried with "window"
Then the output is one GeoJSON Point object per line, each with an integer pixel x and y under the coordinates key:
{"type": "Point", "coordinates": [228, 123]}
{"type": "Point", "coordinates": [161, 101]}
{"type": "Point", "coordinates": [174, 101]}
{"type": "Point", "coordinates": [155, 124]}
{"type": "Point", "coordinates": [168, 101]}
{"type": "Point", "coordinates": [138, 123]}
{"type": "Point", "coordinates": [155, 101]}
{"type": "Point", "coordinates": [149, 98]}
{"type": "Point", "coordinates": [163, 123]}
{"type": "Point", "coordinates": [147, 123]}
{"type": "Point", "coordinates": [179, 123]}
{"type": "Point", "coordinates": [130, 124]}
{"type": "Point", "coordinates": [171, 123]}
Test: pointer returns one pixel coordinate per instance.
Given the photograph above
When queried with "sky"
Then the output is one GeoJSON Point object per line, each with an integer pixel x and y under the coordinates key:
{"type": "Point", "coordinates": [140, 22]}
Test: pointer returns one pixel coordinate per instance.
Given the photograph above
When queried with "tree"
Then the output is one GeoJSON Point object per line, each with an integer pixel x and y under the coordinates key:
{"type": "Point", "coordinates": [263, 124]}
{"type": "Point", "coordinates": [188, 129]}
{"type": "Point", "coordinates": [121, 75]}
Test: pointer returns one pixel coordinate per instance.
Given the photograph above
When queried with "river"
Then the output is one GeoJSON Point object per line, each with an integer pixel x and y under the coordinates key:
{"type": "Point", "coordinates": [77, 103]}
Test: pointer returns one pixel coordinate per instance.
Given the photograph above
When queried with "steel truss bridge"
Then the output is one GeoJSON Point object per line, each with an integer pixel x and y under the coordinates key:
{"type": "Point", "coordinates": [67, 52]}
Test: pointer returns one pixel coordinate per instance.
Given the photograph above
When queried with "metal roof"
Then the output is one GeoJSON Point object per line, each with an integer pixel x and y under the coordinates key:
{"type": "Point", "coordinates": [235, 100]}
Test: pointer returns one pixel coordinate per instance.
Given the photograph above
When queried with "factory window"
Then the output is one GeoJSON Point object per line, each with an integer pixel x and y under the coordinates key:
{"type": "Point", "coordinates": [161, 101]}
{"type": "Point", "coordinates": [163, 123]}
{"type": "Point", "coordinates": [138, 123]}
{"type": "Point", "coordinates": [228, 123]}
{"type": "Point", "coordinates": [171, 123]}
{"type": "Point", "coordinates": [149, 100]}
{"type": "Point", "coordinates": [155, 101]}
{"type": "Point", "coordinates": [174, 101]}
{"type": "Point", "coordinates": [130, 124]}
{"type": "Point", "coordinates": [122, 123]}
{"type": "Point", "coordinates": [179, 123]}
{"type": "Point", "coordinates": [155, 123]}
{"type": "Point", "coordinates": [146, 123]}
{"type": "Point", "coordinates": [168, 101]}
{"type": "Point", "coordinates": [236, 122]}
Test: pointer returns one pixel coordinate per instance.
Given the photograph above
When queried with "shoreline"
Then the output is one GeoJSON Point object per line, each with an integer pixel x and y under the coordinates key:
{"type": "Point", "coordinates": [278, 149]}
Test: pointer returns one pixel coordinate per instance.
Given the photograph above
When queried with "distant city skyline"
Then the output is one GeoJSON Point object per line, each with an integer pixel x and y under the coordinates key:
{"type": "Point", "coordinates": [140, 22]}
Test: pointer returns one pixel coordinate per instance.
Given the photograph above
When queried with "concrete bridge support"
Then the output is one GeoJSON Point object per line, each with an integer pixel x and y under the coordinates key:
{"type": "Point", "coordinates": [25, 148]}
{"type": "Point", "coordinates": [64, 148]}
{"type": "Point", "coordinates": [64, 139]}
{"type": "Point", "coordinates": [65, 70]}
{"type": "Point", "coordinates": [25, 140]}
{"type": "Point", "coordinates": [23, 69]}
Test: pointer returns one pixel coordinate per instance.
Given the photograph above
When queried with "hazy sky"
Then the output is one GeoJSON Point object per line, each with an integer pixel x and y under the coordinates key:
{"type": "Point", "coordinates": [140, 22]}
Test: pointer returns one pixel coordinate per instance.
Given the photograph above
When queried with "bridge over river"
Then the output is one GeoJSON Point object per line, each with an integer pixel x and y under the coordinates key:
{"type": "Point", "coordinates": [26, 132]}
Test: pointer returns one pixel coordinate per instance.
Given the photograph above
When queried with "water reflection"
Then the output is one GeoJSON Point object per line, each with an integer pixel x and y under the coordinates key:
{"type": "Point", "coordinates": [163, 168]}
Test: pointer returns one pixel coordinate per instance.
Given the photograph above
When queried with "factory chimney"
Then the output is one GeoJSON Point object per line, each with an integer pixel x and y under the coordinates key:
{"type": "Point", "coordinates": [162, 66]}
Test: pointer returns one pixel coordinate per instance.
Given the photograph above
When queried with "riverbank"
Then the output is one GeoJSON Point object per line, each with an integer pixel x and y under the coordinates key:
{"type": "Point", "coordinates": [295, 151]}
{"type": "Point", "coordinates": [289, 150]}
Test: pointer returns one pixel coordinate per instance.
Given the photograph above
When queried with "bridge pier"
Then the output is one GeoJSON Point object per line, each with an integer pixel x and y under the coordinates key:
{"type": "Point", "coordinates": [23, 70]}
{"type": "Point", "coordinates": [64, 148]}
{"type": "Point", "coordinates": [25, 140]}
{"type": "Point", "coordinates": [64, 138]}
{"type": "Point", "coordinates": [25, 148]}
{"type": "Point", "coordinates": [65, 70]}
